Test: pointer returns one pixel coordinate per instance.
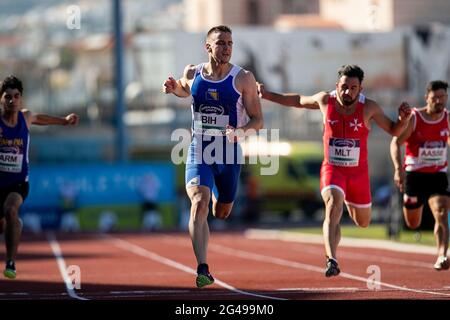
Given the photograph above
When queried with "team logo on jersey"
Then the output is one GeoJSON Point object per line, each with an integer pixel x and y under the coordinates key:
{"type": "Point", "coordinates": [355, 125]}
{"type": "Point", "coordinates": [444, 133]}
{"type": "Point", "coordinates": [212, 94]}
{"type": "Point", "coordinates": [433, 144]}
{"type": "Point", "coordinates": [10, 149]}
{"type": "Point", "coordinates": [194, 181]}
{"type": "Point", "coordinates": [409, 200]}
{"type": "Point", "coordinates": [218, 110]}
{"type": "Point", "coordinates": [344, 143]}
{"type": "Point", "coordinates": [331, 122]}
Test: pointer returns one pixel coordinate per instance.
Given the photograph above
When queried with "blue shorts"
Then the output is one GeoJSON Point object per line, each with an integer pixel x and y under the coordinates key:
{"type": "Point", "coordinates": [221, 178]}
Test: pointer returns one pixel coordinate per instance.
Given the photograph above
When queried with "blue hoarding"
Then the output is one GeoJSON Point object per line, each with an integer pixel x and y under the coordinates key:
{"type": "Point", "coordinates": [97, 184]}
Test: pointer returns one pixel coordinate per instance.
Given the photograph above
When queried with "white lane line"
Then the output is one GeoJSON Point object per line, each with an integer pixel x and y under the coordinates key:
{"type": "Point", "coordinates": [345, 241]}
{"type": "Point", "coordinates": [332, 289]}
{"type": "Point", "coordinates": [310, 239]}
{"type": "Point", "coordinates": [156, 292]}
{"type": "Point", "coordinates": [374, 257]}
{"type": "Point", "coordinates": [62, 266]}
{"type": "Point", "coordinates": [342, 253]}
{"type": "Point", "coordinates": [292, 264]}
{"type": "Point", "coordinates": [128, 246]}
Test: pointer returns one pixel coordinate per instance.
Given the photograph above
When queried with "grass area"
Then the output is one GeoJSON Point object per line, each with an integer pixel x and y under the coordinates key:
{"type": "Point", "coordinates": [128, 216]}
{"type": "Point", "coordinates": [378, 232]}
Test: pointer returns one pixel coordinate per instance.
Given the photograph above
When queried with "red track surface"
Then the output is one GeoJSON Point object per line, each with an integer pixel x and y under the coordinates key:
{"type": "Point", "coordinates": [158, 266]}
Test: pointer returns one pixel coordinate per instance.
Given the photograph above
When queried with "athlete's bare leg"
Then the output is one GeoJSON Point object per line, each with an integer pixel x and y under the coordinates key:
{"type": "Point", "coordinates": [2, 225]}
{"type": "Point", "coordinates": [198, 223]}
{"type": "Point", "coordinates": [413, 217]}
{"type": "Point", "coordinates": [221, 210]}
{"type": "Point", "coordinates": [13, 228]}
{"type": "Point", "coordinates": [439, 207]}
{"type": "Point", "coordinates": [334, 200]}
{"type": "Point", "coordinates": [361, 216]}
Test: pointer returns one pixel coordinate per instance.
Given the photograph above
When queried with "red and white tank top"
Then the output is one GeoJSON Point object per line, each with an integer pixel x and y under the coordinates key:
{"type": "Point", "coordinates": [426, 148]}
{"type": "Point", "coordinates": [345, 137]}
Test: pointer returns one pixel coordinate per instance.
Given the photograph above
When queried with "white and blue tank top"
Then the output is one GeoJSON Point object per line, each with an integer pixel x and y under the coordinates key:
{"type": "Point", "coordinates": [216, 104]}
{"type": "Point", "coordinates": [14, 145]}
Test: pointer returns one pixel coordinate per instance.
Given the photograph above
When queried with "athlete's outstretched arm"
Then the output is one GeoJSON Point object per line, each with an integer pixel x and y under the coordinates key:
{"type": "Point", "coordinates": [288, 99]}
{"type": "Point", "coordinates": [181, 87]}
{"type": "Point", "coordinates": [393, 128]}
{"type": "Point", "coordinates": [396, 155]}
{"type": "Point", "coordinates": [45, 119]}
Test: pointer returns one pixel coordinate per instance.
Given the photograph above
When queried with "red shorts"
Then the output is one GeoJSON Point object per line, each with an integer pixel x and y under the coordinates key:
{"type": "Point", "coordinates": [355, 187]}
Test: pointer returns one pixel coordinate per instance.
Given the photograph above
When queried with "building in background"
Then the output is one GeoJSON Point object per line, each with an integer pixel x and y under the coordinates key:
{"type": "Point", "coordinates": [200, 15]}
{"type": "Point", "coordinates": [351, 15]}
{"type": "Point", "coordinates": [384, 15]}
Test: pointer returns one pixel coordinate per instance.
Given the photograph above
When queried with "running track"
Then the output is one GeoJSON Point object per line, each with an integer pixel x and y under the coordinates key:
{"type": "Point", "coordinates": [161, 267]}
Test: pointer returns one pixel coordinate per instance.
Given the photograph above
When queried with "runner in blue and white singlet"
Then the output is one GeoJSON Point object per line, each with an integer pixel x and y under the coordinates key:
{"type": "Point", "coordinates": [225, 104]}
{"type": "Point", "coordinates": [14, 144]}
{"type": "Point", "coordinates": [13, 152]}
{"type": "Point", "coordinates": [212, 159]}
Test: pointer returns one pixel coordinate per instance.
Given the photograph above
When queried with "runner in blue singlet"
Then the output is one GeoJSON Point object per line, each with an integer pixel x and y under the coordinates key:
{"type": "Point", "coordinates": [14, 144]}
{"type": "Point", "coordinates": [224, 99]}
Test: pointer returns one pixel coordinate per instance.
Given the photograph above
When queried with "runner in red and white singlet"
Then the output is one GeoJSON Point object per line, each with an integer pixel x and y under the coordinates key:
{"type": "Point", "coordinates": [423, 174]}
{"type": "Point", "coordinates": [345, 166]}
{"type": "Point", "coordinates": [426, 147]}
{"type": "Point", "coordinates": [344, 175]}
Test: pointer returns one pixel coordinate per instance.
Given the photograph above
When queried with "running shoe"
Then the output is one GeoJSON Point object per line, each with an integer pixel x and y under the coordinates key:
{"type": "Point", "coordinates": [204, 278]}
{"type": "Point", "coordinates": [10, 270]}
{"type": "Point", "coordinates": [442, 263]}
{"type": "Point", "coordinates": [332, 268]}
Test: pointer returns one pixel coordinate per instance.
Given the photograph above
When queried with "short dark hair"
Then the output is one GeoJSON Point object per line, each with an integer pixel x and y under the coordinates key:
{"type": "Point", "coordinates": [351, 70]}
{"type": "Point", "coordinates": [436, 85]}
{"type": "Point", "coordinates": [221, 28]}
{"type": "Point", "coordinates": [11, 82]}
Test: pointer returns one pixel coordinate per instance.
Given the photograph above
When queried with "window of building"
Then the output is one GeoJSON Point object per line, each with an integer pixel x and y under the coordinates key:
{"type": "Point", "coordinates": [298, 6]}
{"type": "Point", "coordinates": [253, 12]}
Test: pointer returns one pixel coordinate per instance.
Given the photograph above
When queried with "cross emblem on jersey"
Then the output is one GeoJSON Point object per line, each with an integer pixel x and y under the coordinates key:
{"type": "Point", "coordinates": [355, 125]}
{"type": "Point", "coordinates": [331, 122]}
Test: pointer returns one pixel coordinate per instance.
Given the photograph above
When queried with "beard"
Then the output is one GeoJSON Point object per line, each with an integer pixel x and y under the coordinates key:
{"type": "Point", "coordinates": [438, 107]}
{"type": "Point", "coordinates": [347, 100]}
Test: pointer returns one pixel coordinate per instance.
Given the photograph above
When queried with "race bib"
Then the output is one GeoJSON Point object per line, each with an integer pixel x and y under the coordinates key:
{"type": "Point", "coordinates": [11, 162]}
{"type": "Point", "coordinates": [210, 121]}
{"type": "Point", "coordinates": [433, 153]}
{"type": "Point", "coordinates": [343, 152]}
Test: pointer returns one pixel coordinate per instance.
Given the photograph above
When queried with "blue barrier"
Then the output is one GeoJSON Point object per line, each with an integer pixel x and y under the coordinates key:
{"type": "Point", "coordinates": [97, 184]}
